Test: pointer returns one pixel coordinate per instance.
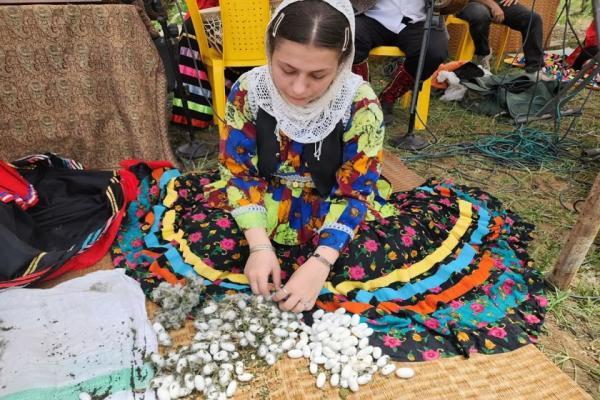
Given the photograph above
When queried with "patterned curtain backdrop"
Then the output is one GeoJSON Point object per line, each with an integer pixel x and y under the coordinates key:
{"type": "Point", "coordinates": [84, 81]}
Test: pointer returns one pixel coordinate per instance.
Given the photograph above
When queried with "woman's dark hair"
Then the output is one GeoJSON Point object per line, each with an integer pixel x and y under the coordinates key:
{"type": "Point", "coordinates": [312, 22]}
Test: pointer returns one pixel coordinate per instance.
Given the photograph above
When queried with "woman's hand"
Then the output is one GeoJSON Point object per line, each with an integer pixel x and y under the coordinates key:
{"type": "Point", "coordinates": [262, 262]}
{"type": "Point", "coordinates": [259, 266]}
{"type": "Point", "coordinates": [302, 289]}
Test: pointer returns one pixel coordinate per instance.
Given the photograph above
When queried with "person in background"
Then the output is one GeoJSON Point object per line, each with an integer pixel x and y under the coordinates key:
{"type": "Point", "coordinates": [481, 13]}
{"type": "Point", "coordinates": [398, 23]}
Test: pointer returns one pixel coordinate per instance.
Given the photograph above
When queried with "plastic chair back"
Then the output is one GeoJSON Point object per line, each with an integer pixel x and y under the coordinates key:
{"type": "Point", "coordinates": [386, 51]}
{"type": "Point", "coordinates": [244, 23]}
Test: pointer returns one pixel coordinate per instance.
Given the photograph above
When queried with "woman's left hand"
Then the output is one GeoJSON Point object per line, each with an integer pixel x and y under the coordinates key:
{"type": "Point", "coordinates": [302, 289]}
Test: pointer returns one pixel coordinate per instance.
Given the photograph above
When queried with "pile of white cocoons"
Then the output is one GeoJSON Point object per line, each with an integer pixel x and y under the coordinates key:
{"type": "Point", "coordinates": [337, 345]}
{"type": "Point", "coordinates": [240, 328]}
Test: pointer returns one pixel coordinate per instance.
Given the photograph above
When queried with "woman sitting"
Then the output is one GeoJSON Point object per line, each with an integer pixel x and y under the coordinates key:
{"type": "Point", "coordinates": [438, 270]}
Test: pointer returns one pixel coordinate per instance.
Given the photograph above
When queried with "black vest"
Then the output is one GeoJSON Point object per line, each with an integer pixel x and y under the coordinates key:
{"type": "Point", "coordinates": [322, 172]}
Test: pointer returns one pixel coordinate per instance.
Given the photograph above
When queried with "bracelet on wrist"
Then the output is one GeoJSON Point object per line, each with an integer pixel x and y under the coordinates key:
{"type": "Point", "coordinates": [261, 247]}
{"type": "Point", "coordinates": [322, 260]}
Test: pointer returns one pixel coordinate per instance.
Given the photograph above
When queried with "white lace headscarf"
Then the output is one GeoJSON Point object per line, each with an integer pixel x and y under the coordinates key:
{"type": "Point", "coordinates": [313, 122]}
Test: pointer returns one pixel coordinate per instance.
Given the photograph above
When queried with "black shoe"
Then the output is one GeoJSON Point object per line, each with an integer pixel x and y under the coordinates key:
{"type": "Point", "coordinates": [388, 112]}
{"type": "Point", "coordinates": [193, 151]}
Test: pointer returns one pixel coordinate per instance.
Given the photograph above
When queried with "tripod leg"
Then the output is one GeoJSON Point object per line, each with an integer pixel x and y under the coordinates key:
{"type": "Point", "coordinates": [420, 66]}
{"type": "Point", "coordinates": [410, 141]}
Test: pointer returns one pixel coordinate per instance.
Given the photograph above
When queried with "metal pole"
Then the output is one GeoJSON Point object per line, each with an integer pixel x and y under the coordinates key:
{"type": "Point", "coordinates": [410, 141]}
{"type": "Point", "coordinates": [420, 66]}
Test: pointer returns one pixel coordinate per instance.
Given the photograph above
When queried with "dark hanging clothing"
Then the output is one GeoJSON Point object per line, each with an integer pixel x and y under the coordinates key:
{"type": "Point", "coordinates": [65, 212]}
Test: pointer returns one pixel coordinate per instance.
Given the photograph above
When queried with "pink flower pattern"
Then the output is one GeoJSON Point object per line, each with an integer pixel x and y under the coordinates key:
{"type": "Point", "coordinates": [432, 323]}
{"type": "Point", "coordinates": [431, 355]}
{"type": "Point", "coordinates": [456, 304]}
{"type": "Point", "coordinates": [541, 300]}
{"type": "Point", "coordinates": [532, 319]}
{"type": "Point", "coordinates": [507, 286]}
{"type": "Point", "coordinates": [198, 217]}
{"type": "Point", "coordinates": [356, 273]}
{"type": "Point", "coordinates": [390, 341]}
{"type": "Point", "coordinates": [227, 244]}
{"type": "Point", "coordinates": [371, 245]}
{"type": "Point", "coordinates": [498, 332]}
{"type": "Point", "coordinates": [477, 308]}
{"type": "Point", "coordinates": [223, 223]}
{"type": "Point", "coordinates": [195, 237]}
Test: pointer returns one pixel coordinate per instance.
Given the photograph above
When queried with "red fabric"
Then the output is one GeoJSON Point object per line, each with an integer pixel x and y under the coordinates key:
{"type": "Point", "coordinates": [24, 280]}
{"type": "Point", "coordinates": [400, 84]}
{"type": "Point", "coordinates": [362, 69]}
{"type": "Point", "coordinates": [180, 119]}
{"type": "Point", "coordinates": [13, 187]}
{"type": "Point", "coordinates": [590, 40]}
{"type": "Point", "coordinates": [590, 35]}
{"type": "Point", "coordinates": [574, 55]}
{"type": "Point", "coordinates": [202, 4]}
{"type": "Point", "coordinates": [207, 3]}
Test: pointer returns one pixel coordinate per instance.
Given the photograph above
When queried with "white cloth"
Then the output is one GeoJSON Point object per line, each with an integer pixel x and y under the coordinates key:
{"type": "Point", "coordinates": [455, 91]}
{"type": "Point", "coordinates": [79, 336]}
{"type": "Point", "coordinates": [313, 122]}
{"type": "Point", "coordinates": [390, 13]}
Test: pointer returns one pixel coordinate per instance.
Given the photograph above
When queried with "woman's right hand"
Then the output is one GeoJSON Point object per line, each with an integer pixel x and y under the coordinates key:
{"type": "Point", "coordinates": [259, 266]}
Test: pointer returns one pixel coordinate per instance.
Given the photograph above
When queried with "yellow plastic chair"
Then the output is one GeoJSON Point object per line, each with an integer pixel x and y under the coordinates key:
{"type": "Point", "coordinates": [243, 23]}
{"type": "Point", "coordinates": [466, 47]}
{"type": "Point", "coordinates": [424, 94]}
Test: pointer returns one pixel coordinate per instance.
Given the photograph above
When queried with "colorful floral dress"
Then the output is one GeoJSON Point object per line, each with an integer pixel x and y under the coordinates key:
{"type": "Point", "coordinates": [437, 271]}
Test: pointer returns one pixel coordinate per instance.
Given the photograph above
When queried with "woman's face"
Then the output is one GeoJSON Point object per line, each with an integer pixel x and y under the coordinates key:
{"type": "Point", "coordinates": [302, 73]}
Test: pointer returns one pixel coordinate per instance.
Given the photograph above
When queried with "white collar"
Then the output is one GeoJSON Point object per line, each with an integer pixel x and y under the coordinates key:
{"type": "Point", "coordinates": [313, 122]}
